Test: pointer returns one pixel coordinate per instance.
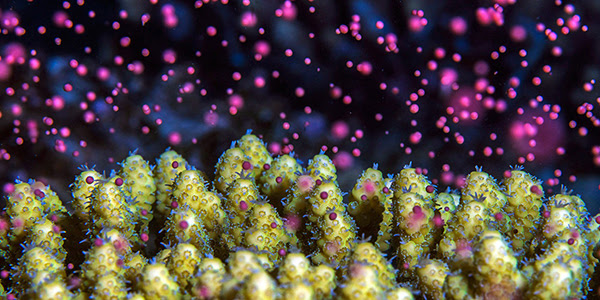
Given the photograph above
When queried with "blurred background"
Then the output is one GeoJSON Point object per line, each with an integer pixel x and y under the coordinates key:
{"type": "Point", "coordinates": [444, 85]}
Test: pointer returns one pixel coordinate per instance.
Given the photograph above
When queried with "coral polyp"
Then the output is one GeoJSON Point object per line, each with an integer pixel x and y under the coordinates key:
{"type": "Point", "coordinates": [225, 238]}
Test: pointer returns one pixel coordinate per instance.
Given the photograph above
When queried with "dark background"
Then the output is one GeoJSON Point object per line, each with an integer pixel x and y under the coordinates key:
{"type": "Point", "coordinates": [329, 52]}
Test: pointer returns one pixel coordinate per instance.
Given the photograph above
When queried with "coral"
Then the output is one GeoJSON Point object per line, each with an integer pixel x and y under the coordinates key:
{"type": "Point", "coordinates": [82, 189]}
{"type": "Point", "coordinates": [264, 232]}
{"type": "Point", "coordinates": [259, 285]}
{"type": "Point", "coordinates": [431, 274]}
{"type": "Point", "coordinates": [230, 166]}
{"type": "Point", "coordinates": [321, 167]}
{"type": "Point", "coordinates": [134, 263]}
{"type": "Point", "coordinates": [37, 266]}
{"type": "Point", "coordinates": [158, 283]}
{"type": "Point", "coordinates": [183, 262]}
{"type": "Point", "coordinates": [188, 187]}
{"type": "Point", "coordinates": [109, 286]}
{"type": "Point", "coordinates": [497, 274]}
{"type": "Point", "coordinates": [256, 151]}
{"type": "Point", "coordinates": [524, 204]}
{"type": "Point", "coordinates": [415, 222]}
{"type": "Point", "coordinates": [48, 236]}
{"type": "Point", "coordinates": [24, 209]}
{"type": "Point", "coordinates": [242, 194]}
{"type": "Point", "coordinates": [279, 176]}
{"type": "Point", "coordinates": [286, 232]}
{"type": "Point", "coordinates": [139, 184]}
{"type": "Point", "coordinates": [110, 208]}
{"type": "Point", "coordinates": [368, 199]}
{"type": "Point", "coordinates": [298, 291]}
{"type": "Point", "coordinates": [184, 225]}
{"type": "Point", "coordinates": [208, 282]}
{"type": "Point", "coordinates": [336, 234]}
{"type": "Point", "coordinates": [53, 289]}
{"type": "Point", "coordinates": [323, 280]}
{"type": "Point", "coordinates": [101, 260]}
{"type": "Point", "coordinates": [294, 269]}
{"type": "Point", "coordinates": [362, 282]}
{"type": "Point", "coordinates": [168, 166]}
{"type": "Point", "coordinates": [367, 253]}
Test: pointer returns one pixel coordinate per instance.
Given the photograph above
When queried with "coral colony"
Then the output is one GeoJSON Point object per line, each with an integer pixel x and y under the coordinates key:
{"type": "Point", "coordinates": [377, 129]}
{"type": "Point", "coordinates": [270, 228]}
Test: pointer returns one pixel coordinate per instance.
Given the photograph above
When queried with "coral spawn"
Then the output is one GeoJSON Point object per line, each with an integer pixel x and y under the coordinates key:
{"type": "Point", "coordinates": [273, 228]}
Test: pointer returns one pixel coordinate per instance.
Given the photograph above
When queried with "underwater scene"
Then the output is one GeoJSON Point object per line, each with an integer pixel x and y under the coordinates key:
{"type": "Point", "coordinates": [306, 149]}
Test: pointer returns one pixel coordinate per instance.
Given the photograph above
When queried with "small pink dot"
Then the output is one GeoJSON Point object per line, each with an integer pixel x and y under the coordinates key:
{"type": "Point", "coordinates": [4, 225]}
{"type": "Point", "coordinates": [174, 138]}
{"type": "Point", "coordinates": [438, 221]}
{"type": "Point", "coordinates": [211, 30]}
{"type": "Point", "coordinates": [18, 222]}
{"type": "Point", "coordinates": [430, 189]}
{"type": "Point", "coordinates": [144, 212]}
{"type": "Point", "coordinates": [243, 205]}
{"type": "Point", "coordinates": [246, 165]}
{"type": "Point", "coordinates": [546, 214]}
{"type": "Point", "coordinates": [259, 82]}
{"type": "Point", "coordinates": [498, 216]}
{"type": "Point", "coordinates": [184, 224]}
{"type": "Point", "coordinates": [386, 190]}
{"type": "Point", "coordinates": [324, 195]}
{"type": "Point", "coordinates": [175, 165]}
{"type": "Point", "coordinates": [598, 219]}
{"type": "Point", "coordinates": [536, 190]}
{"type": "Point", "coordinates": [278, 179]}
{"type": "Point", "coordinates": [282, 252]}
{"type": "Point", "coordinates": [507, 174]}
{"type": "Point", "coordinates": [39, 193]}
{"type": "Point", "coordinates": [273, 225]}
{"type": "Point", "coordinates": [318, 182]}
{"type": "Point", "coordinates": [174, 204]}
{"type": "Point", "coordinates": [119, 182]}
{"type": "Point", "coordinates": [145, 237]}
{"type": "Point", "coordinates": [332, 216]}
{"type": "Point", "coordinates": [98, 242]}
{"type": "Point", "coordinates": [363, 197]}
{"type": "Point", "coordinates": [340, 129]}
{"type": "Point", "coordinates": [571, 241]}
{"type": "Point", "coordinates": [266, 166]}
